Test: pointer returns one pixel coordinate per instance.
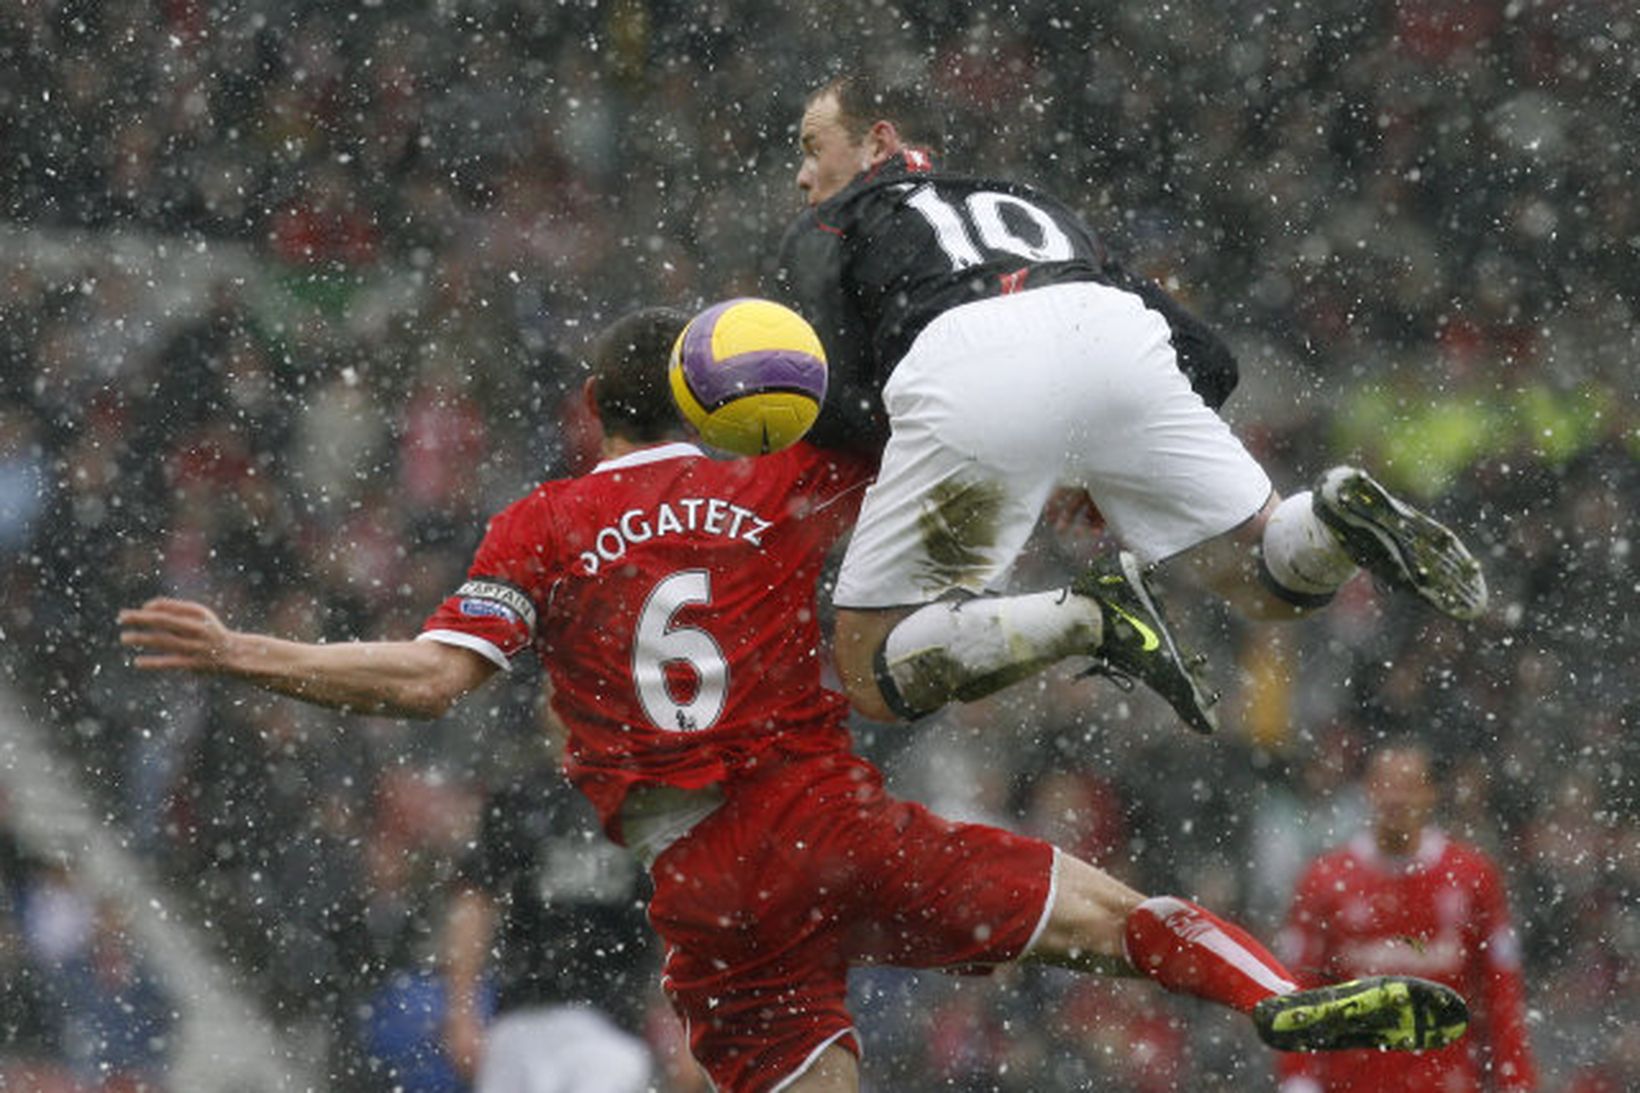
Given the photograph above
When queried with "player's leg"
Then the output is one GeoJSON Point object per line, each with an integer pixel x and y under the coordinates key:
{"type": "Point", "coordinates": [974, 451]}
{"type": "Point", "coordinates": [1100, 925]}
{"type": "Point", "coordinates": [1298, 551]}
{"type": "Point", "coordinates": [857, 641]}
{"type": "Point", "coordinates": [906, 663]}
{"type": "Point", "coordinates": [835, 1070]}
{"type": "Point", "coordinates": [1229, 565]}
{"type": "Point", "coordinates": [932, 893]}
{"type": "Point", "coordinates": [751, 905]}
{"type": "Point", "coordinates": [948, 895]}
{"type": "Point", "coordinates": [909, 662]}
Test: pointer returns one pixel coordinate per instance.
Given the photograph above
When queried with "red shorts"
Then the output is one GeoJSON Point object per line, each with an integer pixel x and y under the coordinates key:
{"type": "Point", "coordinates": [809, 868]}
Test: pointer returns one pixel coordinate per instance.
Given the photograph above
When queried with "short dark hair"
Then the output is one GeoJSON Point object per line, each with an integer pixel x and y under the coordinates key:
{"type": "Point", "coordinates": [864, 99]}
{"type": "Point", "coordinates": [628, 360]}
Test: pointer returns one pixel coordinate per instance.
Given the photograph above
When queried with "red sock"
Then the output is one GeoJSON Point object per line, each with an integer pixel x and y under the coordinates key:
{"type": "Point", "coordinates": [1190, 950]}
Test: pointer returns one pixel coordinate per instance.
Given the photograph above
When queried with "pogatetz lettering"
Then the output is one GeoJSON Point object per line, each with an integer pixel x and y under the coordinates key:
{"type": "Point", "coordinates": [684, 515]}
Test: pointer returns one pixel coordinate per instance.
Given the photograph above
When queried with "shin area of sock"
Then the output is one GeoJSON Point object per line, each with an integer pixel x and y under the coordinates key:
{"type": "Point", "coordinates": [1189, 950]}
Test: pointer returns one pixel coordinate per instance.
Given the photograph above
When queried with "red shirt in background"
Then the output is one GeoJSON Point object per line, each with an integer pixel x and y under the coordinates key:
{"type": "Point", "coordinates": [1440, 914]}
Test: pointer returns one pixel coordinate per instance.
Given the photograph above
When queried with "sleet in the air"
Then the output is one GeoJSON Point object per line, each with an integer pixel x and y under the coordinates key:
{"type": "Point", "coordinates": [711, 515]}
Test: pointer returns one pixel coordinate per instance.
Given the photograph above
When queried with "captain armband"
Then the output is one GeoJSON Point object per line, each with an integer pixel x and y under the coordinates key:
{"type": "Point", "coordinates": [487, 597]}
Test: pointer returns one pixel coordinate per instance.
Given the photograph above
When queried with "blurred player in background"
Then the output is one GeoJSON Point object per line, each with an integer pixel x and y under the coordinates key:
{"type": "Point", "coordinates": [1404, 897]}
{"type": "Point", "coordinates": [672, 598]}
{"type": "Point", "coordinates": [547, 917]}
{"type": "Point", "coordinates": [986, 328]}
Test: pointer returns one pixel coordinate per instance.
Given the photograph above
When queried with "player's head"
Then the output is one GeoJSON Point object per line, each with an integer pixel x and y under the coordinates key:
{"type": "Point", "coordinates": [853, 122]}
{"type": "Point", "coordinates": [628, 384]}
{"type": "Point", "coordinates": [1401, 791]}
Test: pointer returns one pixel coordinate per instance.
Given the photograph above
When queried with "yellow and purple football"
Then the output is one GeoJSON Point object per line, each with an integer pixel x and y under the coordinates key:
{"type": "Point", "coordinates": [749, 375]}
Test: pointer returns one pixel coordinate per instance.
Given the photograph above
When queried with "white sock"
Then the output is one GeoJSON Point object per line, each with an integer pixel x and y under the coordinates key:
{"type": "Point", "coordinates": [968, 649]}
{"type": "Point", "coordinates": [1301, 553]}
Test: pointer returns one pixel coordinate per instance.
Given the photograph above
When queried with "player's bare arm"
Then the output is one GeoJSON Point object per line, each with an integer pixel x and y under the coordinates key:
{"type": "Point", "coordinates": [416, 679]}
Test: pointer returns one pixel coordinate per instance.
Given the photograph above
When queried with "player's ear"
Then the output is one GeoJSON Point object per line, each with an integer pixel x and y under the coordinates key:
{"type": "Point", "coordinates": [589, 395]}
{"type": "Point", "coordinates": [883, 141]}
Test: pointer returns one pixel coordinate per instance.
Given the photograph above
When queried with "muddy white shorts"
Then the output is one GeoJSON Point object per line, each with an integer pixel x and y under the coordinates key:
{"type": "Point", "coordinates": [999, 401]}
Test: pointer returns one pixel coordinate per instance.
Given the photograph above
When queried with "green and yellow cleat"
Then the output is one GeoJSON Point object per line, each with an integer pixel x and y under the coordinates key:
{"type": "Point", "coordinates": [1387, 1012]}
{"type": "Point", "coordinates": [1401, 546]}
{"type": "Point", "coordinates": [1138, 642]}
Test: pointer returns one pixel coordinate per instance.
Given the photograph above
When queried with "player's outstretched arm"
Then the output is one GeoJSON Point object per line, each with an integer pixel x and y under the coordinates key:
{"type": "Point", "coordinates": [419, 679]}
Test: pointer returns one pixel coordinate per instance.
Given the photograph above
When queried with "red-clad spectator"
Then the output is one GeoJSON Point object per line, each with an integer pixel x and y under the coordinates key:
{"type": "Point", "coordinates": [1406, 898]}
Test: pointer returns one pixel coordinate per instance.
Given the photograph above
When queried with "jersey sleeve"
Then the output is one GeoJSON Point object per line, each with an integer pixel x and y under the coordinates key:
{"type": "Point", "coordinates": [493, 613]}
{"type": "Point", "coordinates": [1503, 1010]}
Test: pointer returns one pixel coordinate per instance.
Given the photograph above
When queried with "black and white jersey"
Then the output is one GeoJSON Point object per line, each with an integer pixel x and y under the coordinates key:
{"type": "Point", "coordinates": [874, 264]}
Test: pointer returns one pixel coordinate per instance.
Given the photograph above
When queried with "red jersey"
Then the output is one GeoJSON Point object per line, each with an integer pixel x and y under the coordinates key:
{"type": "Point", "coordinates": [1440, 914]}
{"type": "Point", "coordinates": [671, 597]}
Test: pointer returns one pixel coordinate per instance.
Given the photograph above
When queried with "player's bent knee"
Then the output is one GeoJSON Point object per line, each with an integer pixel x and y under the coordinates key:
{"type": "Point", "coordinates": [859, 635]}
{"type": "Point", "coordinates": [868, 702]}
{"type": "Point", "coordinates": [859, 679]}
{"type": "Point", "coordinates": [1230, 566]}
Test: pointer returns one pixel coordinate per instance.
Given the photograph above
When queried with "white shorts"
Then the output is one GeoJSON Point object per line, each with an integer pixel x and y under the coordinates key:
{"type": "Point", "coordinates": [561, 1049]}
{"type": "Point", "coordinates": [1001, 400]}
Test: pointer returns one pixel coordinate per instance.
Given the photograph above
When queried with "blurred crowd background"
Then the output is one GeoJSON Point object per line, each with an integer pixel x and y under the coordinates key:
{"type": "Point", "coordinates": [293, 296]}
